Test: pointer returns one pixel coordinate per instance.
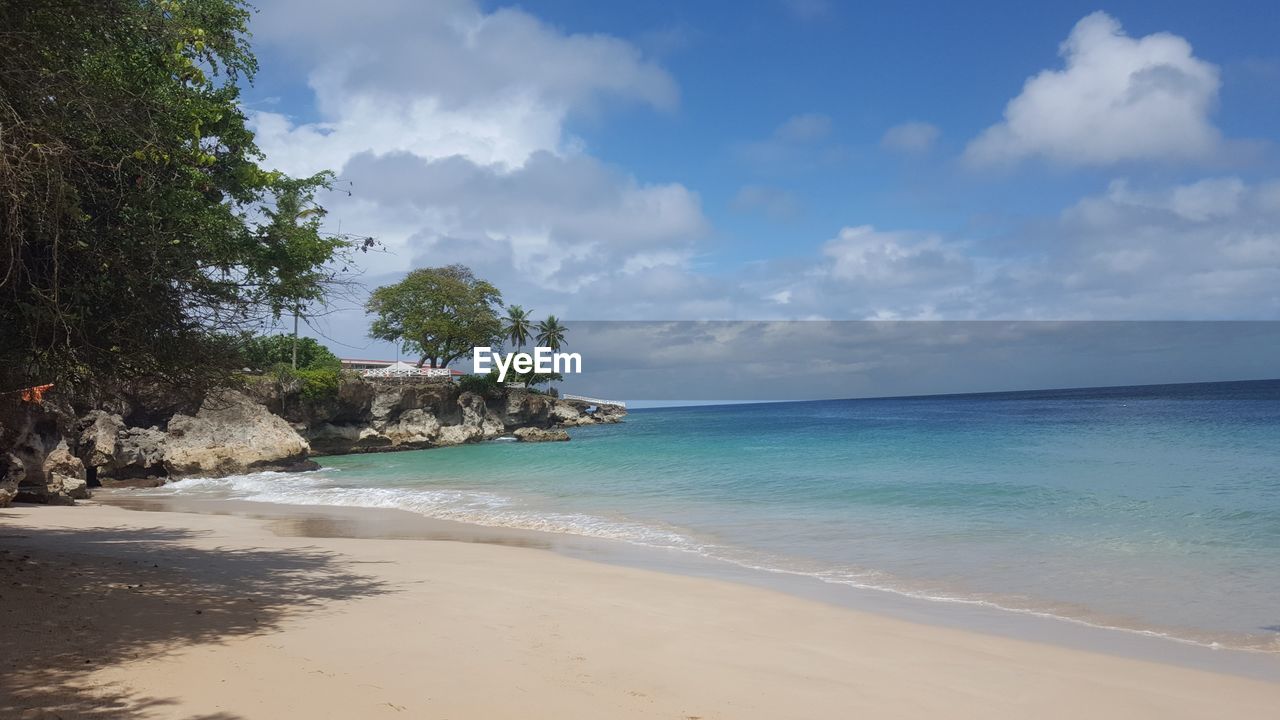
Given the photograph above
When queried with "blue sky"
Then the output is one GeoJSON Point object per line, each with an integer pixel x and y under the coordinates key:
{"type": "Point", "coordinates": [797, 159]}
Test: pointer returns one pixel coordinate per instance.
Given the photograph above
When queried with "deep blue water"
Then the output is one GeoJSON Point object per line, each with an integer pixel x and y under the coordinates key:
{"type": "Point", "coordinates": [1145, 508]}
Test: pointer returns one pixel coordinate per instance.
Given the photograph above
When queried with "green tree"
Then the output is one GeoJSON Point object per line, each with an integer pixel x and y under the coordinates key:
{"type": "Point", "coordinates": [264, 352]}
{"type": "Point", "coordinates": [438, 314]}
{"type": "Point", "coordinates": [518, 325]}
{"type": "Point", "coordinates": [551, 333]}
{"type": "Point", "coordinates": [138, 234]}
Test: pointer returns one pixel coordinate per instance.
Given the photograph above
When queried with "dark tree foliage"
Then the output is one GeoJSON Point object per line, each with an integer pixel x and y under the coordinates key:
{"type": "Point", "coordinates": [138, 234]}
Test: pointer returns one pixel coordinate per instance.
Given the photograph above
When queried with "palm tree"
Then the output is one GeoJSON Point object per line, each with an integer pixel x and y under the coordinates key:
{"type": "Point", "coordinates": [551, 333]}
{"type": "Point", "coordinates": [518, 325]}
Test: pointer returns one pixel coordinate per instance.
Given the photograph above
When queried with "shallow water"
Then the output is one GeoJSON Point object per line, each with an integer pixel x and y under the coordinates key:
{"type": "Point", "coordinates": [1151, 509]}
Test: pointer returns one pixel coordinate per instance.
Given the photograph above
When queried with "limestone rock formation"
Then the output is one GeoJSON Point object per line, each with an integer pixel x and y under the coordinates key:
{"type": "Point", "coordinates": [533, 434]}
{"type": "Point", "coordinates": [52, 452]}
{"type": "Point", "coordinates": [230, 434]}
{"type": "Point", "coordinates": [12, 473]}
{"type": "Point", "coordinates": [36, 464]}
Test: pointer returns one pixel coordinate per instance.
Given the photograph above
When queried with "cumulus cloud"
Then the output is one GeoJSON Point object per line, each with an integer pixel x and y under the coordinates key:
{"type": "Point", "coordinates": [449, 124]}
{"type": "Point", "coordinates": [869, 256]}
{"type": "Point", "coordinates": [1116, 99]}
{"type": "Point", "coordinates": [454, 136]}
{"type": "Point", "coordinates": [1204, 249]}
{"type": "Point", "coordinates": [1208, 249]}
{"type": "Point", "coordinates": [558, 221]}
{"type": "Point", "coordinates": [442, 78]}
{"type": "Point", "coordinates": [910, 137]}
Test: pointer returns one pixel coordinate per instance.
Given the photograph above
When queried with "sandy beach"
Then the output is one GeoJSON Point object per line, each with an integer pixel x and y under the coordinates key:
{"type": "Point", "coordinates": [114, 613]}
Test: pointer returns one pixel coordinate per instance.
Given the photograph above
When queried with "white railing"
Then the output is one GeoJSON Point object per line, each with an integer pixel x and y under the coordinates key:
{"type": "Point", "coordinates": [407, 372]}
{"type": "Point", "coordinates": [593, 401]}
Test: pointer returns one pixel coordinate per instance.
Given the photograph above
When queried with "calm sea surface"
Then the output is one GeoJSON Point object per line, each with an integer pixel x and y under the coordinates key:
{"type": "Point", "coordinates": [1154, 509]}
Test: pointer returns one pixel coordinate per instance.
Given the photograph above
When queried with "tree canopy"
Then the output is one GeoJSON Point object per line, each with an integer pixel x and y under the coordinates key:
{"type": "Point", "coordinates": [263, 352]}
{"type": "Point", "coordinates": [439, 314]}
{"type": "Point", "coordinates": [137, 229]}
{"type": "Point", "coordinates": [517, 326]}
{"type": "Point", "coordinates": [551, 333]}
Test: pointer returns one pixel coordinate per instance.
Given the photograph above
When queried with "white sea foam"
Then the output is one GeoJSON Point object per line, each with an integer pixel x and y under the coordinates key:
{"type": "Point", "coordinates": [469, 506]}
{"type": "Point", "coordinates": [495, 510]}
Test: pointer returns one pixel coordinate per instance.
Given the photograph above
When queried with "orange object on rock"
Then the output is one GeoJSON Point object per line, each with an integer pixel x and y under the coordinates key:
{"type": "Point", "coordinates": [35, 394]}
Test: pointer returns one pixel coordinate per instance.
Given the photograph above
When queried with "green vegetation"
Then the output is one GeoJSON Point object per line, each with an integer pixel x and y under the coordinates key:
{"type": "Point", "coordinates": [518, 326]}
{"type": "Point", "coordinates": [318, 383]}
{"type": "Point", "coordinates": [319, 371]}
{"type": "Point", "coordinates": [438, 314]}
{"type": "Point", "coordinates": [486, 386]}
{"type": "Point", "coordinates": [263, 352]}
{"type": "Point", "coordinates": [441, 313]}
{"type": "Point", "coordinates": [551, 333]}
{"type": "Point", "coordinates": [138, 234]}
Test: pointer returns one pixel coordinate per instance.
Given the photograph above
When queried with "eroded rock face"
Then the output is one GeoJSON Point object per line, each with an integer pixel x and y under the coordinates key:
{"type": "Point", "coordinates": [567, 415]}
{"type": "Point", "coordinates": [51, 453]}
{"type": "Point", "coordinates": [533, 434]}
{"type": "Point", "coordinates": [410, 415]}
{"type": "Point", "coordinates": [230, 434]}
{"type": "Point", "coordinates": [37, 464]}
{"type": "Point", "coordinates": [525, 409]}
{"type": "Point", "coordinates": [99, 438]}
{"type": "Point", "coordinates": [12, 473]}
{"type": "Point", "coordinates": [115, 451]}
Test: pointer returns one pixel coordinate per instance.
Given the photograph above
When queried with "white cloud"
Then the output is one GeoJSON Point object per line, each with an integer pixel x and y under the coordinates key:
{"type": "Point", "coordinates": [449, 122]}
{"type": "Point", "coordinates": [1202, 200]}
{"type": "Point", "coordinates": [442, 78]}
{"type": "Point", "coordinates": [866, 255]}
{"type": "Point", "coordinates": [1117, 99]}
{"type": "Point", "coordinates": [910, 137]}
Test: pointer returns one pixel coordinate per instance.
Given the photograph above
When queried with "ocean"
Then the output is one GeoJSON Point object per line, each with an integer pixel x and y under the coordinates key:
{"type": "Point", "coordinates": [1151, 509]}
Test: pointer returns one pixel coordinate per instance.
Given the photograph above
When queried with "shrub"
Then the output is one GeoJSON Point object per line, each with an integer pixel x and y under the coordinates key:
{"type": "Point", "coordinates": [483, 385]}
{"type": "Point", "coordinates": [260, 352]}
{"type": "Point", "coordinates": [320, 383]}
{"type": "Point", "coordinates": [310, 383]}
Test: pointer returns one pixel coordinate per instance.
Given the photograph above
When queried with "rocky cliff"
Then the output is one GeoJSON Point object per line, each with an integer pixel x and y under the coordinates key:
{"type": "Point", "coordinates": [55, 451]}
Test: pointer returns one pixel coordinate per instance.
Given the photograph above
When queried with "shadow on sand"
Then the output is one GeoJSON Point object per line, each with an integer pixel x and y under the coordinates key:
{"type": "Point", "coordinates": [72, 601]}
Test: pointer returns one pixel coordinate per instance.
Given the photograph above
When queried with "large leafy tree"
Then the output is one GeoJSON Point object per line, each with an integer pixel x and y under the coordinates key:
{"type": "Point", "coordinates": [137, 229]}
{"type": "Point", "coordinates": [437, 313]}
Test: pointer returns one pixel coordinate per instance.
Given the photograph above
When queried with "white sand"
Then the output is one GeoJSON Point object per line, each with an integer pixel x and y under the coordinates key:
{"type": "Point", "coordinates": [182, 615]}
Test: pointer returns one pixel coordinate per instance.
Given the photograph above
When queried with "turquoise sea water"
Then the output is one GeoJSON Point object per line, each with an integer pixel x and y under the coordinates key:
{"type": "Point", "coordinates": [1154, 509]}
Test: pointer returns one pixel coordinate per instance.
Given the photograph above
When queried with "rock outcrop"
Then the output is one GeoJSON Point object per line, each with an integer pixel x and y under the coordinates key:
{"type": "Point", "coordinates": [230, 434]}
{"type": "Point", "coordinates": [36, 460]}
{"type": "Point", "coordinates": [12, 473]}
{"type": "Point", "coordinates": [111, 450]}
{"type": "Point", "coordinates": [52, 453]}
{"type": "Point", "coordinates": [533, 434]}
{"type": "Point", "coordinates": [406, 415]}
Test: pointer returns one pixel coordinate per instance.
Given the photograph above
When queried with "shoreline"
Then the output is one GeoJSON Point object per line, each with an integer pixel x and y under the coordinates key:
{"type": "Point", "coordinates": [989, 618]}
{"type": "Point", "coordinates": [292, 626]}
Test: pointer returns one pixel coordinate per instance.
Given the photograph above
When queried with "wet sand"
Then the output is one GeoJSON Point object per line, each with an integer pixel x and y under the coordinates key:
{"type": "Point", "coordinates": [114, 613]}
